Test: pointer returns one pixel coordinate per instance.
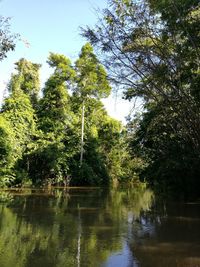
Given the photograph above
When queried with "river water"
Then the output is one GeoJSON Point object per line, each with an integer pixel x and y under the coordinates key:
{"type": "Point", "coordinates": [93, 227]}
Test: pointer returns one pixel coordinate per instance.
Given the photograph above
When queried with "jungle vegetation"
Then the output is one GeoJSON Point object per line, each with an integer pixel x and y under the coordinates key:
{"type": "Point", "coordinates": [66, 136]}
{"type": "Point", "coordinates": [150, 50]}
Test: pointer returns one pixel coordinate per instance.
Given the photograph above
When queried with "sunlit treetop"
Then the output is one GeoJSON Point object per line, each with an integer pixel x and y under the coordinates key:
{"type": "Point", "coordinates": [92, 78]}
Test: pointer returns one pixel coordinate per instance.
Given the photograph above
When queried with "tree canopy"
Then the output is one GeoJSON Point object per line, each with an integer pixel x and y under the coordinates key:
{"type": "Point", "coordinates": [151, 49]}
{"type": "Point", "coordinates": [45, 131]}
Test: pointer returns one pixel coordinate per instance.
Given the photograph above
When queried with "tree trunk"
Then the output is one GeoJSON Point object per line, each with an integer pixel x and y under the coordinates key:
{"type": "Point", "coordinates": [82, 133]}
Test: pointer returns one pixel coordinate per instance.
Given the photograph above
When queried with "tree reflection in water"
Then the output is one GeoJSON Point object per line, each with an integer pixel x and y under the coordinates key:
{"type": "Point", "coordinates": [95, 227]}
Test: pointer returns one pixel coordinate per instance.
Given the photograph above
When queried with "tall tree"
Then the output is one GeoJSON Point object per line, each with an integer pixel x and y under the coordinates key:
{"type": "Point", "coordinates": [91, 82]}
{"type": "Point", "coordinates": [154, 56]}
{"type": "Point", "coordinates": [151, 48]}
{"type": "Point", "coordinates": [57, 144]}
{"type": "Point", "coordinates": [54, 111]}
{"type": "Point", "coordinates": [26, 79]}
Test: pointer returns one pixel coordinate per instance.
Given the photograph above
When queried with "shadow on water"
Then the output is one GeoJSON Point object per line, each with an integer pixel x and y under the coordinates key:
{"type": "Point", "coordinates": [96, 227]}
{"type": "Point", "coordinates": [168, 236]}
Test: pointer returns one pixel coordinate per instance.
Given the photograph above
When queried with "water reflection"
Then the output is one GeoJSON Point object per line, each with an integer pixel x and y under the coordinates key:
{"type": "Point", "coordinates": [96, 228]}
{"type": "Point", "coordinates": [169, 236]}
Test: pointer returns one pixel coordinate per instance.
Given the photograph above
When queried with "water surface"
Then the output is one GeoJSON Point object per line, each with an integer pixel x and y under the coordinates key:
{"type": "Point", "coordinates": [96, 228]}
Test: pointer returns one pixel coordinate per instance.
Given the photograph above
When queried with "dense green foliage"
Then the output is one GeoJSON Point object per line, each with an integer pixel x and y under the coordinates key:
{"type": "Point", "coordinates": [91, 81]}
{"type": "Point", "coordinates": [41, 138]}
{"type": "Point", "coordinates": [26, 79]}
{"type": "Point", "coordinates": [151, 48]}
{"type": "Point", "coordinates": [151, 51]}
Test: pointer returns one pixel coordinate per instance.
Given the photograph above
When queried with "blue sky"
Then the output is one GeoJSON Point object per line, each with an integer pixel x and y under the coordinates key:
{"type": "Point", "coordinates": [51, 26]}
